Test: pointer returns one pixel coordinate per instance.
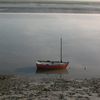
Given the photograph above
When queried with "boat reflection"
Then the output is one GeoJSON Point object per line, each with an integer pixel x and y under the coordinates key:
{"type": "Point", "coordinates": [52, 71]}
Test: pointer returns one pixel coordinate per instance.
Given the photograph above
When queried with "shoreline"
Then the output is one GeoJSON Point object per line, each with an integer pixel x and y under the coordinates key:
{"type": "Point", "coordinates": [48, 10]}
{"type": "Point", "coordinates": [50, 7]}
{"type": "Point", "coordinates": [17, 87]}
{"type": "Point", "coordinates": [50, 2]}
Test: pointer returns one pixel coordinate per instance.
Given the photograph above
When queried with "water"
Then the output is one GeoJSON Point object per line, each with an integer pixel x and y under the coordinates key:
{"type": "Point", "coordinates": [25, 38]}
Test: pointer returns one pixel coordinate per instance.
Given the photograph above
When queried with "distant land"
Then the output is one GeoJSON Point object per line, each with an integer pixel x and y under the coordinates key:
{"type": "Point", "coordinates": [48, 0]}
{"type": "Point", "coordinates": [47, 6]}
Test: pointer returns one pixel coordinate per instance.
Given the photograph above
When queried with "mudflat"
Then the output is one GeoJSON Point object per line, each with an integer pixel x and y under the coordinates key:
{"type": "Point", "coordinates": [32, 88]}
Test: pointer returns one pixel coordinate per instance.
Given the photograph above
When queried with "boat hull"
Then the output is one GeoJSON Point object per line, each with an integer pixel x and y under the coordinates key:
{"type": "Point", "coordinates": [52, 66]}
{"type": "Point", "coordinates": [51, 71]}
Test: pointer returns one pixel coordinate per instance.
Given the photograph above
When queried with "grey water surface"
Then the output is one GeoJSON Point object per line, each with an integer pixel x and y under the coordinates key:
{"type": "Point", "coordinates": [25, 38]}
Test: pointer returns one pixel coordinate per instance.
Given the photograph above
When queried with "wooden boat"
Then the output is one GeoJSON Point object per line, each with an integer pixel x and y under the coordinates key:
{"type": "Point", "coordinates": [53, 64]}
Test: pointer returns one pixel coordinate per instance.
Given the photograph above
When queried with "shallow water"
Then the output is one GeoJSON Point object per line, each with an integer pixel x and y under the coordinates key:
{"type": "Point", "coordinates": [25, 38]}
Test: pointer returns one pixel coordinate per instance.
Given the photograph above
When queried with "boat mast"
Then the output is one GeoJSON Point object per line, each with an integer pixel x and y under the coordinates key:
{"type": "Point", "coordinates": [61, 49]}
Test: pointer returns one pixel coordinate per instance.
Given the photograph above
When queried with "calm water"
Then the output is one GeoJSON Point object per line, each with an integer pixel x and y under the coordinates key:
{"type": "Point", "coordinates": [25, 38]}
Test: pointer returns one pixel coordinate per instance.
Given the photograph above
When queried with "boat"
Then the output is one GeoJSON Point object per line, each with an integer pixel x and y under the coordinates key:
{"type": "Point", "coordinates": [47, 65]}
{"type": "Point", "coordinates": [53, 71]}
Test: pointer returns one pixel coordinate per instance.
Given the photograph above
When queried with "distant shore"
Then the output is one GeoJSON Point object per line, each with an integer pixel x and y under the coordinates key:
{"type": "Point", "coordinates": [24, 88]}
{"type": "Point", "coordinates": [50, 1]}
{"type": "Point", "coordinates": [50, 7]}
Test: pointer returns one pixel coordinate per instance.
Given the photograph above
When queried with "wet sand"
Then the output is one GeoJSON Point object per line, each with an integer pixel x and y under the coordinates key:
{"type": "Point", "coordinates": [32, 88]}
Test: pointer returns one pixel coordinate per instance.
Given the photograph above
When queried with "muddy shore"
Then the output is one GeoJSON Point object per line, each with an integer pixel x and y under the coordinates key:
{"type": "Point", "coordinates": [24, 88]}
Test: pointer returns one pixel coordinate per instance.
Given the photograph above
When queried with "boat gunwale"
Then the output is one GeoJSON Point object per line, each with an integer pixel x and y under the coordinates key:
{"type": "Point", "coordinates": [50, 62]}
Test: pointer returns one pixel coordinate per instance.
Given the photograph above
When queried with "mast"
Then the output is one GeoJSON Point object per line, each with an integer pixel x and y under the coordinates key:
{"type": "Point", "coordinates": [61, 49]}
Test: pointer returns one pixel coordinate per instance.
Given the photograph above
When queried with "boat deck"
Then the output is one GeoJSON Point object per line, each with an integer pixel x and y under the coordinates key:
{"type": "Point", "coordinates": [50, 62]}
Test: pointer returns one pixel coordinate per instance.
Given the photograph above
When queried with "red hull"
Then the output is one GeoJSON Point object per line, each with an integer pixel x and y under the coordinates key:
{"type": "Point", "coordinates": [51, 71]}
{"type": "Point", "coordinates": [55, 66]}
